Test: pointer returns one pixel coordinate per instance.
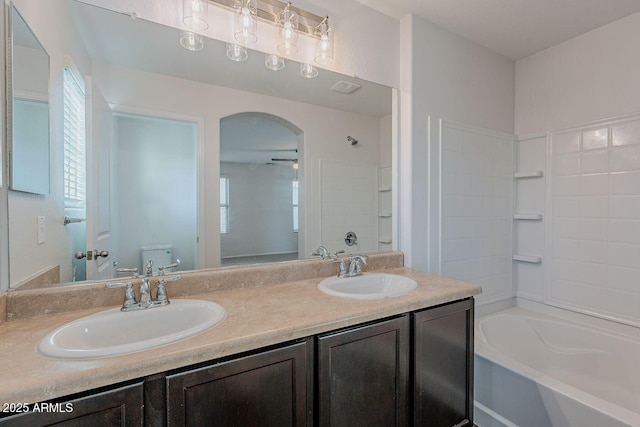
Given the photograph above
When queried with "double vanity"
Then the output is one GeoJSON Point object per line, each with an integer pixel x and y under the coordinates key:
{"type": "Point", "coordinates": [286, 344]}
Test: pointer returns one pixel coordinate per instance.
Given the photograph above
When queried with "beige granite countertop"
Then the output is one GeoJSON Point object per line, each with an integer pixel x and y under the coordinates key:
{"type": "Point", "coordinates": [256, 317]}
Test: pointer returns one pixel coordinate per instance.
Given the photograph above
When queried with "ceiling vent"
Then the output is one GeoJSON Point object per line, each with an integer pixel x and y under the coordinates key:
{"type": "Point", "coordinates": [345, 87]}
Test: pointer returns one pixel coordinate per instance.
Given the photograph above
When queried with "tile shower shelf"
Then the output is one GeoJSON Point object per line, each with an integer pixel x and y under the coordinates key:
{"type": "Point", "coordinates": [531, 174]}
{"type": "Point", "coordinates": [384, 189]}
{"type": "Point", "coordinates": [384, 215]}
{"type": "Point", "coordinates": [384, 240]}
{"type": "Point", "coordinates": [528, 216]}
{"type": "Point", "coordinates": [532, 259]}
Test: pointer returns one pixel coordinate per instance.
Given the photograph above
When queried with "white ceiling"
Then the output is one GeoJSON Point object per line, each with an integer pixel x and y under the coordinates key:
{"type": "Point", "coordinates": [513, 28]}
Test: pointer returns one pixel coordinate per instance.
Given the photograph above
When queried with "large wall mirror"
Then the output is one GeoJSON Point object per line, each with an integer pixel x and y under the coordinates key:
{"type": "Point", "coordinates": [27, 107]}
{"type": "Point", "coordinates": [193, 157]}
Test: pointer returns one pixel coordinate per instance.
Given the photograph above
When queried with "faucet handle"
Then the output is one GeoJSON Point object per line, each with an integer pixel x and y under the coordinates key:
{"type": "Point", "coordinates": [335, 254]}
{"type": "Point", "coordinates": [161, 294]}
{"type": "Point", "coordinates": [129, 295]}
{"type": "Point", "coordinates": [148, 268]}
{"type": "Point", "coordinates": [343, 267]}
{"type": "Point", "coordinates": [164, 267]}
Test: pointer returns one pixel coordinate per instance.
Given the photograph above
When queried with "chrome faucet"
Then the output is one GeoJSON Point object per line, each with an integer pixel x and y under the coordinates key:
{"type": "Point", "coordinates": [146, 301]}
{"type": "Point", "coordinates": [145, 285]}
{"type": "Point", "coordinates": [355, 266]}
{"type": "Point", "coordinates": [321, 252]}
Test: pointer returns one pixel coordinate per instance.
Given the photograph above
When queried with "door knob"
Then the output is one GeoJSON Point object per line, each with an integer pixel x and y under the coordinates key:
{"type": "Point", "coordinates": [90, 255]}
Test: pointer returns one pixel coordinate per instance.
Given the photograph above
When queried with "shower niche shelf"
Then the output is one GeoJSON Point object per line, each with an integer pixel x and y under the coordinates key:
{"type": "Point", "coordinates": [531, 259]}
{"type": "Point", "coordinates": [528, 216]}
{"type": "Point", "coordinates": [530, 174]}
{"type": "Point", "coordinates": [384, 240]}
{"type": "Point", "coordinates": [384, 215]}
{"type": "Point", "coordinates": [384, 189]}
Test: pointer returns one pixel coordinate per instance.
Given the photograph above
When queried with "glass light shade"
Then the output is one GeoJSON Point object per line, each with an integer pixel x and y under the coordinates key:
{"type": "Point", "coordinates": [195, 13]}
{"type": "Point", "coordinates": [191, 41]}
{"type": "Point", "coordinates": [273, 62]}
{"type": "Point", "coordinates": [288, 42]}
{"type": "Point", "coordinates": [245, 21]}
{"type": "Point", "coordinates": [308, 71]}
{"type": "Point", "coordinates": [324, 45]}
{"type": "Point", "coordinates": [237, 53]}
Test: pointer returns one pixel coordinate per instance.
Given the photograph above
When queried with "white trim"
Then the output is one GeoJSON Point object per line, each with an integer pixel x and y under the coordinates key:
{"type": "Point", "coordinates": [530, 136]}
{"type": "Point", "coordinates": [395, 169]}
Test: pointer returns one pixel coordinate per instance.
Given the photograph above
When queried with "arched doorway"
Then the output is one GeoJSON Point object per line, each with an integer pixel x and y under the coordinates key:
{"type": "Point", "coordinates": [260, 199]}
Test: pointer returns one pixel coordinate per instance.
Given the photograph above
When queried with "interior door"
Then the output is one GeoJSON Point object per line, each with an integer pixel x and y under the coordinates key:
{"type": "Point", "coordinates": [100, 224]}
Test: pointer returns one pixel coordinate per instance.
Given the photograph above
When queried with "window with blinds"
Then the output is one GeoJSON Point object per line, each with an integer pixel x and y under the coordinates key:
{"type": "Point", "coordinates": [224, 204]}
{"type": "Point", "coordinates": [75, 193]}
{"type": "Point", "coordinates": [295, 205]}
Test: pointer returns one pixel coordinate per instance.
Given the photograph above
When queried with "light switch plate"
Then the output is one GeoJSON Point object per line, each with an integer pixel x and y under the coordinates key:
{"type": "Point", "coordinates": [42, 234]}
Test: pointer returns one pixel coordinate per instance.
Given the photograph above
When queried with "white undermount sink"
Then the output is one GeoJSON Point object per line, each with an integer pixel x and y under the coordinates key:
{"type": "Point", "coordinates": [368, 286]}
{"type": "Point", "coordinates": [112, 332]}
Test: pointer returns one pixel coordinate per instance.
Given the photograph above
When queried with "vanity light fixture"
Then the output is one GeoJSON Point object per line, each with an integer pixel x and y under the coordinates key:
{"type": "Point", "coordinates": [194, 14]}
{"type": "Point", "coordinates": [324, 45]}
{"type": "Point", "coordinates": [237, 53]}
{"type": "Point", "coordinates": [191, 41]}
{"type": "Point", "coordinates": [245, 21]}
{"type": "Point", "coordinates": [273, 62]}
{"type": "Point", "coordinates": [288, 19]}
{"type": "Point", "coordinates": [308, 71]}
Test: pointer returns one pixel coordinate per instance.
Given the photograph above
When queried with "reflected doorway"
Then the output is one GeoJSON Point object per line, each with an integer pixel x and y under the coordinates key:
{"type": "Point", "coordinates": [260, 189]}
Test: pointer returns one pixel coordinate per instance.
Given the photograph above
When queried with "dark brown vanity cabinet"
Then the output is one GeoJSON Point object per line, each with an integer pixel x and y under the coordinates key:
{"type": "Point", "coordinates": [363, 375]}
{"type": "Point", "coordinates": [414, 369]}
{"type": "Point", "coordinates": [269, 388]}
{"type": "Point", "coordinates": [121, 406]}
{"type": "Point", "coordinates": [443, 365]}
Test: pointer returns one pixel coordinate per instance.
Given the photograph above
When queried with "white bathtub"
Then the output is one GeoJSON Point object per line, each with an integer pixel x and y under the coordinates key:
{"type": "Point", "coordinates": [534, 369]}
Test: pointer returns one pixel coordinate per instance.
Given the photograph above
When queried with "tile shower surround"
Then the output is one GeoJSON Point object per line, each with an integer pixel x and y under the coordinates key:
{"type": "Point", "coordinates": [594, 237]}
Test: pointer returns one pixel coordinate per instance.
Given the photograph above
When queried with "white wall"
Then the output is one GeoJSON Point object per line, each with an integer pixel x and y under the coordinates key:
{"type": "Point", "coordinates": [52, 25]}
{"type": "Point", "coordinates": [593, 76]}
{"type": "Point", "coordinates": [260, 210]}
{"type": "Point", "coordinates": [197, 101]}
{"type": "Point", "coordinates": [156, 188]}
{"type": "Point", "coordinates": [443, 76]}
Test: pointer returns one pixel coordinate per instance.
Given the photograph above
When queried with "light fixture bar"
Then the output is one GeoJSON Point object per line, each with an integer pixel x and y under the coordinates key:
{"type": "Point", "coordinates": [268, 10]}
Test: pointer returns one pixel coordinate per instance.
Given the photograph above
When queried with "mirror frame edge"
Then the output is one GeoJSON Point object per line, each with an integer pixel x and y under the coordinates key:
{"type": "Point", "coordinates": [4, 173]}
{"type": "Point", "coordinates": [9, 101]}
{"type": "Point", "coordinates": [8, 87]}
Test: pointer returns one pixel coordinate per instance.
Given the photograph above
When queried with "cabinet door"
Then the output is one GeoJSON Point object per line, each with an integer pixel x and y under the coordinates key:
{"type": "Point", "coordinates": [264, 389]}
{"type": "Point", "coordinates": [443, 373]}
{"type": "Point", "coordinates": [122, 406]}
{"type": "Point", "coordinates": [362, 375]}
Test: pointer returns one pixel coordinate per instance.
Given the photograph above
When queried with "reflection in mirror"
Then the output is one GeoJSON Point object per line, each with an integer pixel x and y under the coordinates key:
{"type": "Point", "coordinates": [259, 198]}
{"type": "Point", "coordinates": [191, 156]}
{"type": "Point", "coordinates": [28, 89]}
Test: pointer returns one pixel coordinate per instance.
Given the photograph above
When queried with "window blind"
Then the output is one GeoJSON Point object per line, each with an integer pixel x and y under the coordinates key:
{"type": "Point", "coordinates": [74, 141]}
{"type": "Point", "coordinates": [224, 204]}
